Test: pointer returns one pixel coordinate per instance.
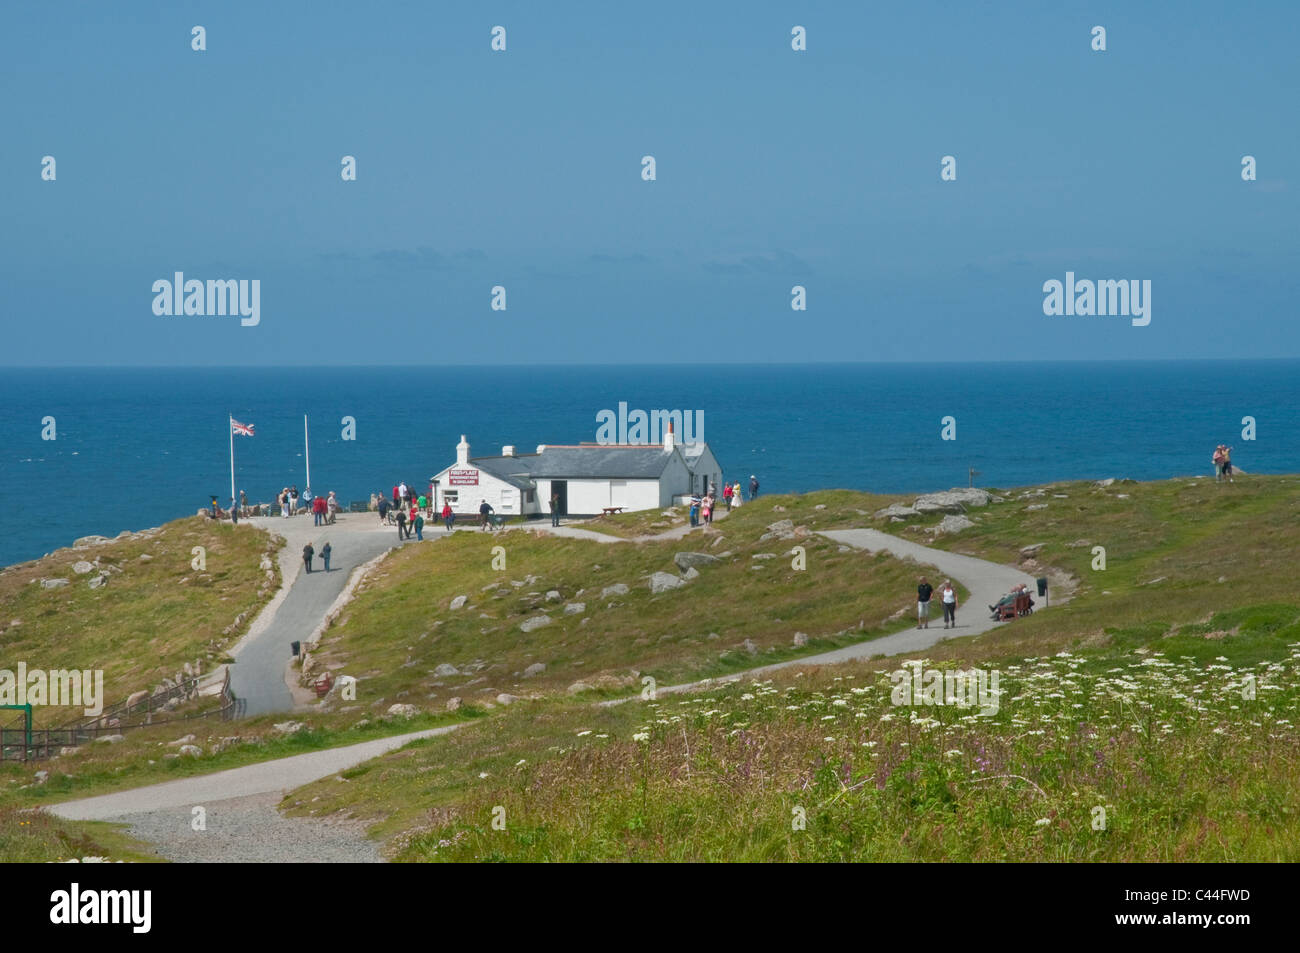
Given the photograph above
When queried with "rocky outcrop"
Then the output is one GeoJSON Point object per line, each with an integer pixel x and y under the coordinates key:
{"type": "Point", "coordinates": [951, 501]}
{"type": "Point", "coordinates": [687, 561]}
{"type": "Point", "coordinates": [663, 581]}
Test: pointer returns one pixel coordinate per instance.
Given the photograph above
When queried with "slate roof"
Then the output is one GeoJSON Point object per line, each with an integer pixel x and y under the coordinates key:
{"type": "Point", "coordinates": [594, 462]}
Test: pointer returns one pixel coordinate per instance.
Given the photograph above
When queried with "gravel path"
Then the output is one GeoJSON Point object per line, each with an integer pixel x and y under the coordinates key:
{"type": "Point", "coordinates": [250, 830]}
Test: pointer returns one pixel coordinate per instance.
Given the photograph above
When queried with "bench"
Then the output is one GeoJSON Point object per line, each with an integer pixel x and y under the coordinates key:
{"type": "Point", "coordinates": [608, 510]}
{"type": "Point", "coordinates": [359, 506]}
{"type": "Point", "coordinates": [323, 685]}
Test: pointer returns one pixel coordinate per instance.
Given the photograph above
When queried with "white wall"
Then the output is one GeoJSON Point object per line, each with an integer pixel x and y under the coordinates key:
{"type": "Point", "coordinates": [592, 496]}
{"type": "Point", "coordinates": [505, 498]}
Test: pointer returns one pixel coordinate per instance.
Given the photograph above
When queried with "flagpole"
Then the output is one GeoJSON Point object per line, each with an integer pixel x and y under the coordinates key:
{"type": "Point", "coordinates": [306, 446]}
{"type": "Point", "coordinates": [230, 425]}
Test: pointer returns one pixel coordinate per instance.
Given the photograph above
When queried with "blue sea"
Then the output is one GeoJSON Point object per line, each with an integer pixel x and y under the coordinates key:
{"type": "Point", "coordinates": [136, 447]}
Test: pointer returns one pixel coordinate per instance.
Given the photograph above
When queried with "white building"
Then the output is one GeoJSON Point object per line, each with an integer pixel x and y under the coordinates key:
{"type": "Point", "coordinates": [588, 477]}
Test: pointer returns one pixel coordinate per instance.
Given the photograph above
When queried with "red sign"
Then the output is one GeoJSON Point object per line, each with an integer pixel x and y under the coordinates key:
{"type": "Point", "coordinates": [462, 477]}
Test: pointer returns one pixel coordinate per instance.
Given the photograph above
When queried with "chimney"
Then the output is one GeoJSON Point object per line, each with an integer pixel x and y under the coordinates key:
{"type": "Point", "coordinates": [508, 450]}
{"type": "Point", "coordinates": [462, 451]}
{"type": "Point", "coordinates": [670, 440]}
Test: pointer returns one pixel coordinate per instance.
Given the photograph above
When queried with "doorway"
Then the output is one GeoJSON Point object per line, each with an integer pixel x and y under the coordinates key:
{"type": "Point", "coordinates": [560, 488]}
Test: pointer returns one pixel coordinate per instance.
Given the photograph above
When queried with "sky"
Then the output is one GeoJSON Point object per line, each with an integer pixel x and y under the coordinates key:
{"type": "Point", "coordinates": [522, 168]}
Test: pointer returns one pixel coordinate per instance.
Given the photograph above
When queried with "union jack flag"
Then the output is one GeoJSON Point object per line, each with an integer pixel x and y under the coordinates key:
{"type": "Point", "coordinates": [241, 430]}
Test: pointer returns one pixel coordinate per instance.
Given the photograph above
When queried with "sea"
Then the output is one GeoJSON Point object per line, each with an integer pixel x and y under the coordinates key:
{"type": "Point", "coordinates": [100, 450]}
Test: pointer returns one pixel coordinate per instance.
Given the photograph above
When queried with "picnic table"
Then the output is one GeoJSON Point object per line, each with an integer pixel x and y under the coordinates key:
{"type": "Point", "coordinates": [607, 510]}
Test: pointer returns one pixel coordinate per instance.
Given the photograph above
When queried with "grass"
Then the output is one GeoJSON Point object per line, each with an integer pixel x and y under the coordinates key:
{"type": "Point", "coordinates": [400, 628]}
{"type": "Point", "coordinates": [36, 837]}
{"type": "Point", "coordinates": [823, 767]}
{"type": "Point", "coordinates": [153, 615]}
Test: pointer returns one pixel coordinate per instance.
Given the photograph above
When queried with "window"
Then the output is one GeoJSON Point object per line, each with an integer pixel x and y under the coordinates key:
{"type": "Point", "coordinates": [450, 496]}
{"type": "Point", "coordinates": [530, 496]}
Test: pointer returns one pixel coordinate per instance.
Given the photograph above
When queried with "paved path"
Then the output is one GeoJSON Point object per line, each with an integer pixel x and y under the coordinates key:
{"type": "Point", "coordinates": [261, 658]}
{"type": "Point", "coordinates": [279, 776]}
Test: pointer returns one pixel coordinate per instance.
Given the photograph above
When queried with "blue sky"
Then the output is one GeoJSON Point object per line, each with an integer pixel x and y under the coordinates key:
{"type": "Point", "coordinates": [522, 169]}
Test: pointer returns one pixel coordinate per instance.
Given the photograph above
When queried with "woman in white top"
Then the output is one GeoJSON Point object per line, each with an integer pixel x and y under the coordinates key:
{"type": "Point", "coordinates": [949, 597]}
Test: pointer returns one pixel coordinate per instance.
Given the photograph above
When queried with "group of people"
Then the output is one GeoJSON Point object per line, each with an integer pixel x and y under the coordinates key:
{"type": "Point", "coordinates": [1222, 460]}
{"type": "Point", "coordinates": [324, 509]}
{"type": "Point", "coordinates": [947, 597]}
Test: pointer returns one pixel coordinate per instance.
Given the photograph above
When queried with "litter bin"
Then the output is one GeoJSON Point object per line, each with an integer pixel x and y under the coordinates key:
{"type": "Point", "coordinates": [1042, 587]}
{"type": "Point", "coordinates": [297, 645]}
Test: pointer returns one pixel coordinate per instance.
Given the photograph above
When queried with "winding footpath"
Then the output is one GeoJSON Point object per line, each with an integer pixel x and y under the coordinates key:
{"type": "Point", "coordinates": [243, 823]}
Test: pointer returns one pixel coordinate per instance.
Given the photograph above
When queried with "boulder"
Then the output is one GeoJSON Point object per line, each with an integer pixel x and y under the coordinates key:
{"type": "Point", "coordinates": [553, 595]}
{"type": "Point", "coordinates": [403, 710]}
{"type": "Point", "coordinates": [663, 581]}
{"type": "Point", "coordinates": [1029, 552]}
{"type": "Point", "coordinates": [288, 727]}
{"type": "Point", "coordinates": [534, 623]}
{"type": "Point", "coordinates": [53, 583]}
{"type": "Point", "coordinates": [577, 687]}
{"type": "Point", "coordinates": [618, 589]}
{"type": "Point", "coordinates": [190, 751]}
{"type": "Point", "coordinates": [951, 501]}
{"type": "Point", "coordinates": [781, 528]}
{"type": "Point", "coordinates": [535, 669]}
{"type": "Point", "coordinates": [1109, 481]}
{"type": "Point", "coordinates": [458, 602]}
{"type": "Point", "coordinates": [136, 697]}
{"type": "Point", "coordinates": [87, 541]}
{"type": "Point", "coordinates": [763, 556]}
{"type": "Point", "coordinates": [145, 558]}
{"type": "Point", "coordinates": [574, 608]}
{"type": "Point", "coordinates": [110, 739]}
{"type": "Point", "coordinates": [81, 567]}
{"type": "Point", "coordinates": [1036, 506]}
{"type": "Point", "coordinates": [99, 581]}
{"type": "Point", "coordinates": [953, 524]}
{"type": "Point", "coordinates": [897, 511]}
{"type": "Point", "coordinates": [446, 670]}
{"type": "Point", "coordinates": [454, 703]}
{"type": "Point", "coordinates": [691, 573]}
{"type": "Point", "coordinates": [800, 640]}
{"type": "Point", "coordinates": [749, 646]}
{"type": "Point", "coordinates": [507, 699]}
{"type": "Point", "coordinates": [686, 561]}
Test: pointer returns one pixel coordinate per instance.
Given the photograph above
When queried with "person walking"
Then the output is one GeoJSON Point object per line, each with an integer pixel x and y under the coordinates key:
{"type": "Point", "coordinates": [753, 487]}
{"type": "Point", "coordinates": [293, 500]}
{"type": "Point", "coordinates": [383, 509]}
{"type": "Point", "coordinates": [422, 502]}
{"type": "Point", "coordinates": [695, 510]}
{"type": "Point", "coordinates": [948, 595]}
{"type": "Point", "coordinates": [401, 523]}
{"type": "Point", "coordinates": [923, 592]}
{"type": "Point", "coordinates": [318, 510]}
{"type": "Point", "coordinates": [448, 517]}
{"type": "Point", "coordinates": [706, 510]}
{"type": "Point", "coordinates": [308, 552]}
{"type": "Point", "coordinates": [234, 511]}
{"type": "Point", "coordinates": [243, 504]}
{"type": "Point", "coordinates": [1227, 464]}
{"type": "Point", "coordinates": [325, 555]}
{"type": "Point", "coordinates": [418, 522]}
{"type": "Point", "coordinates": [726, 496]}
{"type": "Point", "coordinates": [485, 514]}
{"type": "Point", "coordinates": [332, 507]}
{"type": "Point", "coordinates": [283, 500]}
{"type": "Point", "coordinates": [404, 492]}
{"type": "Point", "coordinates": [736, 498]}
{"type": "Point", "coordinates": [555, 509]}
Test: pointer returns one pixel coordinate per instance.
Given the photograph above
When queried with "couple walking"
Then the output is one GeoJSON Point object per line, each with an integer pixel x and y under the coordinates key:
{"type": "Point", "coordinates": [309, 552]}
{"type": "Point", "coordinates": [947, 595]}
